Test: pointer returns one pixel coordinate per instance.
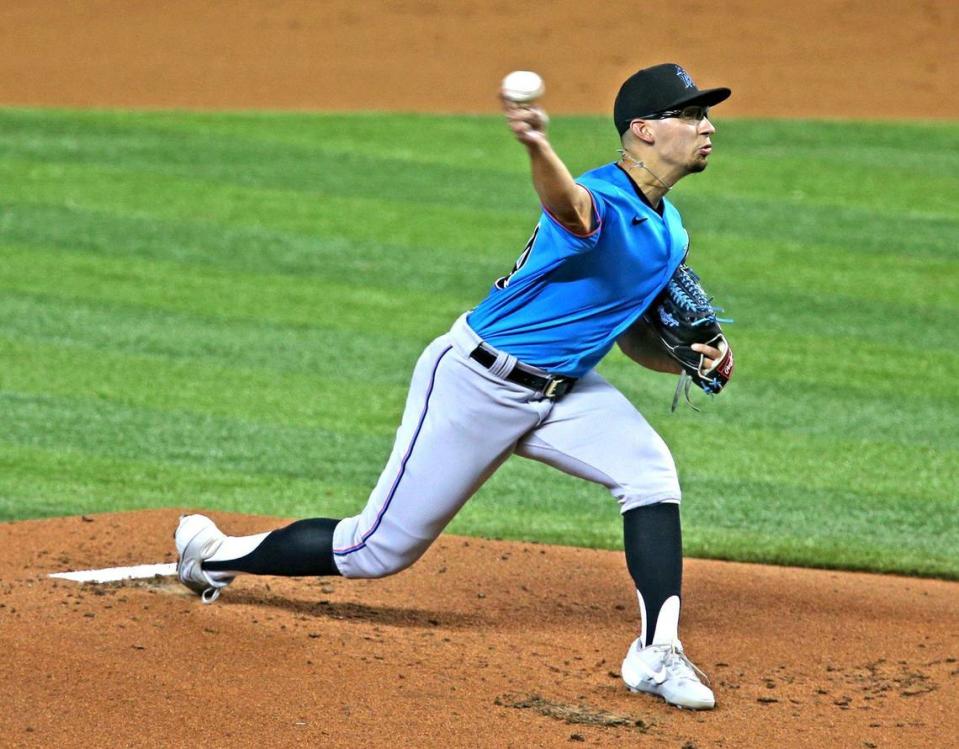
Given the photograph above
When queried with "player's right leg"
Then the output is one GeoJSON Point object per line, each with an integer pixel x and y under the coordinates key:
{"type": "Point", "coordinates": [459, 424]}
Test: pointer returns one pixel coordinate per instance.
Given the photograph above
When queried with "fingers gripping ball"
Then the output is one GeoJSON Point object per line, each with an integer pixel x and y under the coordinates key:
{"type": "Point", "coordinates": [683, 315]}
{"type": "Point", "coordinates": [522, 87]}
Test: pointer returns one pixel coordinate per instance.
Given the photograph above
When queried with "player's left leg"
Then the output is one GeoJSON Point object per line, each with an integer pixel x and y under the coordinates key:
{"type": "Point", "coordinates": [595, 433]}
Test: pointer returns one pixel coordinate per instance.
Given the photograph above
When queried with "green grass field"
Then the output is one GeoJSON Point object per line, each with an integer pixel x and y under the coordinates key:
{"type": "Point", "coordinates": [222, 311]}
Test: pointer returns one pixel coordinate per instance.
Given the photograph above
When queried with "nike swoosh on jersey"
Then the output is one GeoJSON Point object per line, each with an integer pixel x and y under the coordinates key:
{"type": "Point", "coordinates": [637, 220]}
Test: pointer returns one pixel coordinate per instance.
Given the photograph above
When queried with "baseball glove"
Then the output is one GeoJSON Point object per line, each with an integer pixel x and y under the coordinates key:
{"type": "Point", "coordinates": [683, 315]}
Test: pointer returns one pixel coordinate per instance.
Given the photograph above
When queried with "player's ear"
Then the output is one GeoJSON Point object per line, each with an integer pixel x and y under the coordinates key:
{"type": "Point", "coordinates": [641, 131]}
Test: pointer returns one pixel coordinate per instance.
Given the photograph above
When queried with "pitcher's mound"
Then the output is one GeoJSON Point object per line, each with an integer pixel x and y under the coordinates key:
{"type": "Point", "coordinates": [481, 643]}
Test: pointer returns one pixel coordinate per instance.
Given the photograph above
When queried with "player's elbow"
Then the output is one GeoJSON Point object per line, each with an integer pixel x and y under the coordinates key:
{"type": "Point", "coordinates": [573, 210]}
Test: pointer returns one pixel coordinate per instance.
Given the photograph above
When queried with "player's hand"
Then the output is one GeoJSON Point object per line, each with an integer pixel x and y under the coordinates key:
{"type": "Point", "coordinates": [711, 355]}
{"type": "Point", "coordinates": [528, 123]}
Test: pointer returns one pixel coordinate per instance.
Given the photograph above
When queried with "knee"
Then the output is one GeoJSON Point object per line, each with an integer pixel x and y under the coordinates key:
{"type": "Point", "coordinates": [648, 477]}
{"type": "Point", "coordinates": [376, 560]}
{"type": "Point", "coordinates": [376, 568]}
{"type": "Point", "coordinates": [653, 479]}
{"type": "Point", "coordinates": [633, 501]}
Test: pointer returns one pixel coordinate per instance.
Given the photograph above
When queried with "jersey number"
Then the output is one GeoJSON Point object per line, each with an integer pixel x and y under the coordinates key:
{"type": "Point", "coordinates": [503, 281]}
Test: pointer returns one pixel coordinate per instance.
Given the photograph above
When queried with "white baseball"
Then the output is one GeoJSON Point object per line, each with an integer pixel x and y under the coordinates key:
{"type": "Point", "coordinates": [522, 87]}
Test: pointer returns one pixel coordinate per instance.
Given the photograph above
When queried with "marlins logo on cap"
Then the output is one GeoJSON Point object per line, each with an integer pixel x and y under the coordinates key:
{"type": "Point", "coordinates": [684, 77]}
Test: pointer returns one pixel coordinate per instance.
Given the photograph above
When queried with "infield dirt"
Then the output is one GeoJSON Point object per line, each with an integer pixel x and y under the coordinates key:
{"type": "Point", "coordinates": [481, 643]}
{"type": "Point", "coordinates": [814, 58]}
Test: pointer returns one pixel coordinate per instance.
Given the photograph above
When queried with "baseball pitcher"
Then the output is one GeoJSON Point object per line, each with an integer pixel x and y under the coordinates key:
{"type": "Point", "coordinates": [515, 375]}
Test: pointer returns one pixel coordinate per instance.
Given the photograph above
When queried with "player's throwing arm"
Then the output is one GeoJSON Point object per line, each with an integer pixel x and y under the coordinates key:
{"type": "Point", "coordinates": [568, 202]}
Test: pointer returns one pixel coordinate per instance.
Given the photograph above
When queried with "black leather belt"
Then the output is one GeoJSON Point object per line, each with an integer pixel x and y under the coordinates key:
{"type": "Point", "coordinates": [552, 387]}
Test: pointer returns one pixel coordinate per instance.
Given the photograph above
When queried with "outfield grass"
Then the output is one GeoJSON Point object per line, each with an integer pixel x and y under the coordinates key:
{"type": "Point", "coordinates": [222, 311]}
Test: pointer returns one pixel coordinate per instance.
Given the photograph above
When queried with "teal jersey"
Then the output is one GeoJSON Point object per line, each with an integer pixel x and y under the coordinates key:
{"type": "Point", "coordinates": [569, 297]}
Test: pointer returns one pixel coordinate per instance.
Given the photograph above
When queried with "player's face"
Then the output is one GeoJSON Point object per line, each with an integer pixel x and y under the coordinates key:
{"type": "Point", "coordinates": [684, 142]}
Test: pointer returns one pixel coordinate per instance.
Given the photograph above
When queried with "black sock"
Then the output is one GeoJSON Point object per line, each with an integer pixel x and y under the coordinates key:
{"type": "Point", "coordinates": [653, 541]}
{"type": "Point", "coordinates": [304, 548]}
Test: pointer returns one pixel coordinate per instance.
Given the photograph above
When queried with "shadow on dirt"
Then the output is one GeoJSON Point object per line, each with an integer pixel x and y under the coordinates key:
{"type": "Point", "coordinates": [322, 608]}
{"type": "Point", "coordinates": [326, 609]}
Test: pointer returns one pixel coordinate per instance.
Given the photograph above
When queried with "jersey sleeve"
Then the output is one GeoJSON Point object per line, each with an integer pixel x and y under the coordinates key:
{"type": "Point", "coordinates": [583, 242]}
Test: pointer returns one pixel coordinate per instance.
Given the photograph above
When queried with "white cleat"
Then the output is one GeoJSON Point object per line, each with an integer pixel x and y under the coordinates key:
{"type": "Point", "coordinates": [197, 539]}
{"type": "Point", "coordinates": [665, 670]}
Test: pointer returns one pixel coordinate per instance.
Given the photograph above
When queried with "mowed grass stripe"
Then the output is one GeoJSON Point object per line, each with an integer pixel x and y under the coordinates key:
{"type": "Point", "coordinates": [112, 429]}
{"type": "Point", "coordinates": [865, 147]}
{"type": "Point", "coordinates": [196, 386]}
{"type": "Point", "coordinates": [320, 353]}
{"type": "Point", "coordinates": [65, 481]}
{"type": "Point", "coordinates": [862, 232]}
{"type": "Point", "coordinates": [308, 218]}
{"type": "Point", "coordinates": [255, 249]}
{"type": "Point", "coordinates": [229, 306]}
{"type": "Point", "coordinates": [379, 169]}
{"type": "Point", "coordinates": [917, 281]}
{"type": "Point", "coordinates": [212, 293]}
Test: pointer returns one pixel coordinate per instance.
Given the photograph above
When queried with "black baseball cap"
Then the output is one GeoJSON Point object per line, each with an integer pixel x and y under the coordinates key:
{"type": "Point", "coordinates": [658, 89]}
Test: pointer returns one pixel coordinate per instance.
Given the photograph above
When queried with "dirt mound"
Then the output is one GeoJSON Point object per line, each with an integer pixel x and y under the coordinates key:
{"type": "Point", "coordinates": [856, 58]}
{"type": "Point", "coordinates": [480, 644]}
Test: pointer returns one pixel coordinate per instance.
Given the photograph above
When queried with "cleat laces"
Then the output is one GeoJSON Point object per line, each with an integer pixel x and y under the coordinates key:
{"type": "Point", "coordinates": [677, 664]}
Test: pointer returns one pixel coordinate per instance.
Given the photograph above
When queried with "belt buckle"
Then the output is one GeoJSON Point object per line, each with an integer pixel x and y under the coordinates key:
{"type": "Point", "coordinates": [549, 392]}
